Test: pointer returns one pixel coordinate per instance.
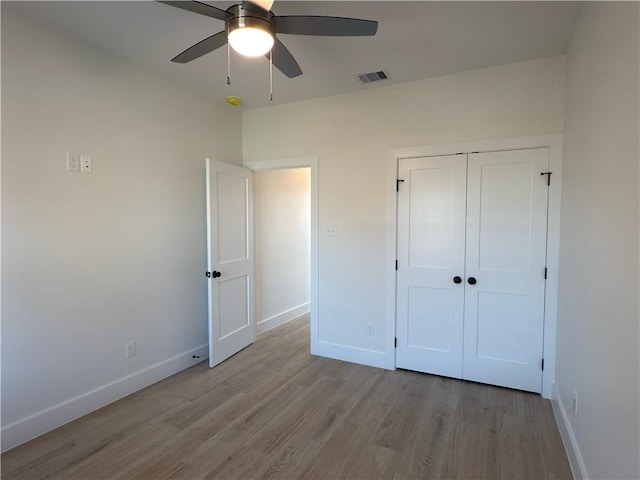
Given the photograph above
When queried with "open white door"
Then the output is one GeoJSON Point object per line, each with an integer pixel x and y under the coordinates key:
{"type": "Point", "coordinates": [230, 259]}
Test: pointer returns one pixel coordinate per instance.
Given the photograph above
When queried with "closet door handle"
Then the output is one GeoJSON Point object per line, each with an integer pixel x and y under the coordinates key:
{"type": "Point", "coordinates": [471, 281]}
{"type": "Point", "coordinates": [457, 279]}
{"type": "Point", "coordinates": [216, 274]}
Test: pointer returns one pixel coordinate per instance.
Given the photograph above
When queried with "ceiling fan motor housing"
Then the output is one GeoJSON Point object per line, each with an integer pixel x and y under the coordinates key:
{"type": "Point", "coordinates": [241, 18]}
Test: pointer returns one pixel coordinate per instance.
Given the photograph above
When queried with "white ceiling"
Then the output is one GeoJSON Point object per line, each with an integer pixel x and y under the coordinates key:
{"type": "Point", "coordinates": [415, 40]}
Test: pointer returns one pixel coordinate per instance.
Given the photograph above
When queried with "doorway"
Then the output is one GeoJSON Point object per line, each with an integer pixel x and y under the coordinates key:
{"type": "Point", "coordinates": [282, 233]}
{"type": "Point", "coordinates": [270, 317]}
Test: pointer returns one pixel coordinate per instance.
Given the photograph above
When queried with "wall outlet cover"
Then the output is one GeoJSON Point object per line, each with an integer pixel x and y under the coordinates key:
{"type": "Point", "coordinates": [86, 163]}
{"type": "Point", "coordinates": [130, 348]}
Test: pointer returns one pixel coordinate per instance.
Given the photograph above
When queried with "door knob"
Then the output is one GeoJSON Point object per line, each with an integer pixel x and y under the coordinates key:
{"type": "Point", "coordinates": [471, 280]}
{"type": "Point", "coordinates": [216, 274]}
{"type": "Point", "coordinates": [457, 279]}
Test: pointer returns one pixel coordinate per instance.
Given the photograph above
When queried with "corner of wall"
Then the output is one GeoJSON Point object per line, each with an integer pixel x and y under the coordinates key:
{"type": "Point", "coordinates": [571, 447]}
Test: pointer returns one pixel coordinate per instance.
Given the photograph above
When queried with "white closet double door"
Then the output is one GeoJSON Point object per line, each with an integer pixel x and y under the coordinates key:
{"type": "Point", "coordinates": [472, 232]}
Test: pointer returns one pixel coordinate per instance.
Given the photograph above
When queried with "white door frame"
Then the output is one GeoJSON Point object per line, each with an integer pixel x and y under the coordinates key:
{"type": "Point", "coordinates": [312, 164]}
{"type": "Point", "coordinates": [554, 143]}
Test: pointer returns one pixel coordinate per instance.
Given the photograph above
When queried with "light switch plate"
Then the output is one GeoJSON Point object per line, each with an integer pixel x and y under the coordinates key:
{"type": "Point", "coordinates": [73, 162]}
{"type": "Point", "coordinates": [331, 231]}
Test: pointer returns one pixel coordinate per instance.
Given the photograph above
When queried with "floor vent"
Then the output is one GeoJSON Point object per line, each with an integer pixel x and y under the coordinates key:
{"type": "Point", "coordinates": [373, 77]}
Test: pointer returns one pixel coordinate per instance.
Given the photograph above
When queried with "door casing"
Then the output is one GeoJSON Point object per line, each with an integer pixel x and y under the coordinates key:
{"type": "Point", "coordinates": [554, 143]}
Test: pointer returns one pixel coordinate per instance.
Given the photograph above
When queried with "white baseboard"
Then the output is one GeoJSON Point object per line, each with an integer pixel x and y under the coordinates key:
{"type": "Point", "coordinates": [284, 317]}
{"type": "Point", "coordinates": [372, 358]}
{"type": "Point", "coordinates": [53, 417]}
{"type": "Point", "coordinates": [568, 438]}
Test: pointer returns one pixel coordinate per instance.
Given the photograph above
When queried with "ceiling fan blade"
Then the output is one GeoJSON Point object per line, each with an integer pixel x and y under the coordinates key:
{"type": "Point", "coordinates": [199, 7]}
{"type": "Point", "coordinates": [284, 61]}
{"type": "Point", "coordinates": [202, 48]}
{"type": "Point", "coordinates": [262, 5]}
{"type": "Point", "coordinates": [326, 26]}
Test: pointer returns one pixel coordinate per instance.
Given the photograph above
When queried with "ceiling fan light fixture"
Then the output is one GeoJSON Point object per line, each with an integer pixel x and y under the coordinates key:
{"type": "Point", "coordinates": [251, 41]}
{"type": "Point", "coordinates": [250, 33]}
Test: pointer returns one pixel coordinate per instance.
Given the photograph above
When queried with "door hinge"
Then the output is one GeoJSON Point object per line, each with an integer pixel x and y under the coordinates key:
{"type": "Point", "coordinates": [398, 181]}
{"type": "Point", "coordinates": [395, 342]}
{"type": "Point", "coordinates": [542, 364]}
{"type": "Point", "coordinates": [548, 174]}
{"type": "Point", "coordinates": [396, 264]}
{"type": "Point", "coordinates": [545, 273]}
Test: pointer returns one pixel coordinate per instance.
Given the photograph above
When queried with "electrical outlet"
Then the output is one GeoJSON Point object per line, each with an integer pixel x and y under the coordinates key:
{"type": "Point", "coordinates": [131, 349]}
{"type": "Point", "coordinates": [73, 162]}
{"type": "Point", "coordinates": [85, 163]}
{"type": "Point", "coordinates": [575, 402]}
{"type": "Point", "coordinates": [370, 329]}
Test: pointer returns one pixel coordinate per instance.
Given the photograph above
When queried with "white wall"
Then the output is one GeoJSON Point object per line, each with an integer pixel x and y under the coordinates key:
{"type": "Point", "coordinates": [282, 245]}
{"type": "Point", "coordinates": [91, 261]}
{"type": "Point", "coordinates": [352, 135]}
{"type": "Point", "coordinates": [598, 299]}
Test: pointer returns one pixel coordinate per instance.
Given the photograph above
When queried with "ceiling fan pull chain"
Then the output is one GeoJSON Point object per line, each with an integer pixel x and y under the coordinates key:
{"type": "Point", "coordinates": [271, 75]}
{"type": "Point", "coordinates": [228, 64]}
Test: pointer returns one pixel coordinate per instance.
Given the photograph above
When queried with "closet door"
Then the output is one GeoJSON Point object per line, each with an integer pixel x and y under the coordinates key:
{"type": "Point", "coordinates": [505, 262]}
{"type": "Point", "coordinates": [431, 236]}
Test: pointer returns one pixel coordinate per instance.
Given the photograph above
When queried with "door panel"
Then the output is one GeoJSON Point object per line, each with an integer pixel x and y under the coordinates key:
{"type": "Point", "coordinates": [431, 225]}
{"type": "Point", "coordinates": [431, 217]}
{"type": "Point", "coordinates": [506, 252]}
{"type": "Point", "coordinates": [233, 311]}
{"type": "Point", "coordinates": [500, 324]}
{"type": "Point", "coordinates": [431, 321]}
{"type": "Point", "coordinates": [230, 252]}
{"type": "Point", "coordinates": [232, 191]}
{"type": "Point", "coordinates": [505, 217]}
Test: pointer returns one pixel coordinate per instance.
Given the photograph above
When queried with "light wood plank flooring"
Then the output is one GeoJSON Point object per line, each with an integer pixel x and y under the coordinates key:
{"type": "Point", "coordinates": [274, 411]}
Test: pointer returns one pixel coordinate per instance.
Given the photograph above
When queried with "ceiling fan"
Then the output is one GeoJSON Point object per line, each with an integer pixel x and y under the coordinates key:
{"type": "Point", "coordinates": [251, 29]}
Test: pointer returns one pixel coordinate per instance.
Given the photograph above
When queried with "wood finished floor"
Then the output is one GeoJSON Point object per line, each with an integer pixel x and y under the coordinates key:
{"type": "Point", "coordinates": [274, 411]}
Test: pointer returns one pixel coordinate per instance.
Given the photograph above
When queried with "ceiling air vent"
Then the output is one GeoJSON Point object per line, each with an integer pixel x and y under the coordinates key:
{"type": "Point", "coordinates": [373, 77]}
